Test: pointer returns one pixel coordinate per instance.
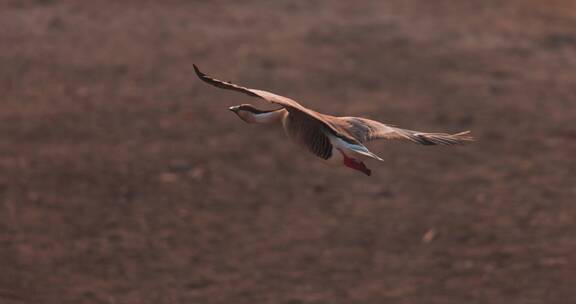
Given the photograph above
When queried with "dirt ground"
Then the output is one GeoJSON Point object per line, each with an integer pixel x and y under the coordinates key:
{"type": "Point", "coordinates": [124, 179]}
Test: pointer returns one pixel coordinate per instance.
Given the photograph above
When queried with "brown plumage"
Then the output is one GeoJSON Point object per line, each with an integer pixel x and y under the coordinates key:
{"type": "Point", "coordinates": [310, 133]}
{"type": "Point", "coordinates": [365, 130]}
{"type": "Point", "coordinates": [290, 105]}
{"type": "Point", "coordinates": [327, 136]}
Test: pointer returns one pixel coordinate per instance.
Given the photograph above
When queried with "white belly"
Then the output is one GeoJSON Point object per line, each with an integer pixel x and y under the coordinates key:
{"type": "Point", "coordinates": [357, 152]}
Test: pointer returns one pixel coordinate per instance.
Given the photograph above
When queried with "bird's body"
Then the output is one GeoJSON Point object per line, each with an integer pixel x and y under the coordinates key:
{"type": "Point", "coordinates": [337, 141]}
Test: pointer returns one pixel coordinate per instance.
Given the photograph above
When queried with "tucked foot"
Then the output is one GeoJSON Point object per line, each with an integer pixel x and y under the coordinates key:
{"type": "Point", "coordinates": [355, 164]}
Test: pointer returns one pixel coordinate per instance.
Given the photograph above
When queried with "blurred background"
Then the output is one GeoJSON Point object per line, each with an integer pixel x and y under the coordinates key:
{"type": "Point", "coordinates": [124, 179]}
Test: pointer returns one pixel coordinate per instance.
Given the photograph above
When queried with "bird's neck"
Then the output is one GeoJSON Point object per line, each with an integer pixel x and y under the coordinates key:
{"type": "Point", "coordinates": [267, 117]}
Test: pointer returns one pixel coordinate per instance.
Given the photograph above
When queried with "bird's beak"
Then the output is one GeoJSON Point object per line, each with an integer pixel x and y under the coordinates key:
{"type": "Point", "coordinates": [233, 109]}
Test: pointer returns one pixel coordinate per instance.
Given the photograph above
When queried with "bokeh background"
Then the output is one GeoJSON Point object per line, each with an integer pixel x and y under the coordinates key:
{"type": "Point", "coordinates": [124, 179]}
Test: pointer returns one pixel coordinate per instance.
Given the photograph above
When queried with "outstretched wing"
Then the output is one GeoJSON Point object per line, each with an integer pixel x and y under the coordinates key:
{"type": "Point", "coordinates": [365, 130]}
{"type": "Point", "coordinates": [270, 97]}
{"type": "Point", "coordinates": [305, 115]}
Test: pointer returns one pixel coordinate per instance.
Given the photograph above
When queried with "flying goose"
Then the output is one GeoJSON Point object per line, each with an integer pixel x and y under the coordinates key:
{"type": "Point", "coordinates": [337, 141]}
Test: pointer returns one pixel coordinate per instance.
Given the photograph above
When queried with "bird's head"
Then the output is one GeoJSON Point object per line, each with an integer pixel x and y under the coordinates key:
{"type": "Point", "coordinates": [250, 114]}
{"type": "Point", "coordinates": [246, 112]}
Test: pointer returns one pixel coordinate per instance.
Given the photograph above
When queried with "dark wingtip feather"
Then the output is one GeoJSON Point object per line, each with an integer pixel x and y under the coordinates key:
{"type": "Point", "coordinates": [198, 72]}
{"type": "Point", "coordinates": [223, 84]}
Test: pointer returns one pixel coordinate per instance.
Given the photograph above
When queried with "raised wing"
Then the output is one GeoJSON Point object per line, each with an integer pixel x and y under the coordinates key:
{"type": "Point", "coordinates": [291, 106]}
{"type": "Point", "coordinates": [270, 97]}
{"type": "Point", "coordinates": [365, 130]}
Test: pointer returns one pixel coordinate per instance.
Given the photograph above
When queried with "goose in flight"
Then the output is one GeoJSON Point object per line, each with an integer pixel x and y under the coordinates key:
{"type": "Point", "coordinates": [337, 141]}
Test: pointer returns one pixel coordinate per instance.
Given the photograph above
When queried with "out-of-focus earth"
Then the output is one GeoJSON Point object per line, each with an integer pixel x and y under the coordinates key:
{"type": "Point", "coordinates": [125, 179]}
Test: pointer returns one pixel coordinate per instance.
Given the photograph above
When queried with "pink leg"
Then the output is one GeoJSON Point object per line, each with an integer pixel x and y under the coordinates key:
{"type": "Point", "coordinates": [355, 164]}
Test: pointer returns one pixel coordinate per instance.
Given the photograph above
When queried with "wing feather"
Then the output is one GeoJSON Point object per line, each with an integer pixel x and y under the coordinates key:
{"type": "Point", "coordinates": [310, 134]}
{"type": "Point", "coordinates": [270, 97]}
{"type": "Point", "coordinates": [365, 130]}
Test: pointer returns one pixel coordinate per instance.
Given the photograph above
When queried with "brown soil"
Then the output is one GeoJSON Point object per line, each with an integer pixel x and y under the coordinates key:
{"type": "Point", "coordinates": [124, 179]}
